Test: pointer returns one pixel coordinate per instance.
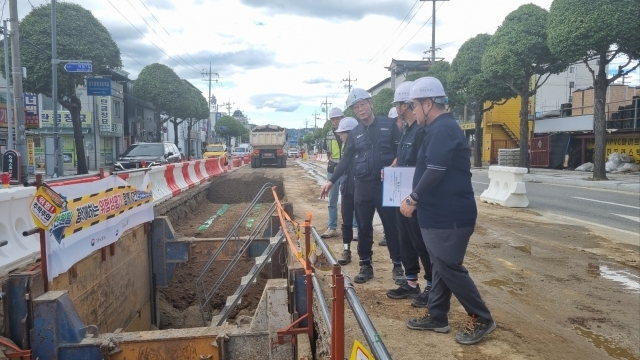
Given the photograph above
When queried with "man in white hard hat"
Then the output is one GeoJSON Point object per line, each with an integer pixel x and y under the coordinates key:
{"type": "Point", "coordinates": [370, 147]}
{"type": "Point", "coordinates": [333, 144]}
{"type": "Point", "coordinates": [412, 246]}
{"type": "Point", "coordinates": [446, 211]}
{"type": "Point", "coordinates": [347, 190]}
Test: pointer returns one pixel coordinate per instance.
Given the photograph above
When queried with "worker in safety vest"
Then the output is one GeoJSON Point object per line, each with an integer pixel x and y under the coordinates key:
{"type": "Point", "coordinates": [333, 145]}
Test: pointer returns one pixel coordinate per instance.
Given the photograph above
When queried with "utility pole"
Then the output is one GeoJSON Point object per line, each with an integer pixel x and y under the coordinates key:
{"type": "Point", "coordinates": [228, 106]}
{"type": "Point", "coordinates": [433, 31]}
{"type": "Point", "coordinates": [21, 140]}
{"type": "Point", "coordinates": [5, 31]}
{"type": "Point", "coordinates": [204, 74]}
{"type": "Point", "coordinates": [326, 105]}
{"type": "Point", "coordinates": [349, 80]}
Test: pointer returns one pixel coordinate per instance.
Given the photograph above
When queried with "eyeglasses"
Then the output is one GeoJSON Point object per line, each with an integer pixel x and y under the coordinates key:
{"type": "Point", "coordinates": [359, 104]}
{"type": "Point", "coordinates": [412, 105]}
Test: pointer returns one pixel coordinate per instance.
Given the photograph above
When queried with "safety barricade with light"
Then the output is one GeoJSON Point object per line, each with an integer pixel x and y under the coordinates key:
{"type": "Point", "coordinates": [16, 250]}
{"type": "Point", "coordinates": [506, 187]}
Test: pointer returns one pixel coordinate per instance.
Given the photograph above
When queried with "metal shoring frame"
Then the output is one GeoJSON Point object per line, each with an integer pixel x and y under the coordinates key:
{"type": "Point", "coordinates": [200, 285]}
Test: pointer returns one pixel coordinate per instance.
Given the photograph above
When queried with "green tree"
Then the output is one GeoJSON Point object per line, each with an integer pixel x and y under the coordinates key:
{"type": "Point", "coordinates": [468, 82]}
{"type": "Point", "coordinates": [518, 56]}
{"type": "Point", "coordinates": [229, 127]}
{"type": "Point", "coordinates": [441, 70]}
{"type": "Point", "coordinates": [382, 102]}
{"type": "Point", "coordinates": [580, 30]}
{"type": "Point", "coordinates": [94, 44]}
{"type": "Point", "coordinates": [161, 86]}
{"type": "Point", "coordinates": [196, 108]}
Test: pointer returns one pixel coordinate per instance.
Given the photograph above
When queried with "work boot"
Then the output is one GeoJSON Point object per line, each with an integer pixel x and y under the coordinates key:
{"type": "Point", "coordinates": [383, 242]}
{"type": "Point", "coordinates": [475, 330]}
{"type": "Point", "coordinates": [329, 233]}
{"type": "Point", "coordinates": [355, 234]}
{"type": "Point", "coordinates": [365, 274]}
{"type": "Point", "coordinates": [398, 275]}
{"type": "Point", "coordinates": [421, 300]}
{"type": "Point", "coordinates": [404, 291]}
{"type": "Point", "coordinates": [427, 323]}
{"type": "Point", "coordinates": [345, 258]}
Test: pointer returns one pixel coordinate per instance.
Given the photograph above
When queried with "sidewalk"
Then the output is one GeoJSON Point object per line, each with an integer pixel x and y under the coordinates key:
{"type": "Point", "coordinates": [627, 182]}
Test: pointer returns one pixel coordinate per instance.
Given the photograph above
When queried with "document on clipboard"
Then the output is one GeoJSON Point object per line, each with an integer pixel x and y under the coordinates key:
{"type": "Point", "coordinates": [397, 184]}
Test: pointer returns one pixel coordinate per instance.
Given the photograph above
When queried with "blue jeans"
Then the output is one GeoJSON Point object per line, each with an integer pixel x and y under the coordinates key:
{"type": "Point", "coordinates": [333, 203]}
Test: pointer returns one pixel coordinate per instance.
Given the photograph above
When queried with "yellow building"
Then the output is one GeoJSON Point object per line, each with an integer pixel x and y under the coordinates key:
{"type": "Point", "coordinates": [501, 129]}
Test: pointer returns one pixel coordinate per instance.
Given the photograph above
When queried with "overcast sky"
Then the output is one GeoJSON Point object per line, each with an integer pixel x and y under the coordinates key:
{"type": "Point", "coordinates": [278, 60]}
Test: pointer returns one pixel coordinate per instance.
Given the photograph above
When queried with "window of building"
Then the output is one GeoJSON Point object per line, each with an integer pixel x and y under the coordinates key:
{"type": "Point", "coordinates": [572, 69]}
{"type": "Point", "coordinates": [571, 84]}
{"type": "Point", "coordinates": [47, 104]}
{"type": "Point", "coordinates": [116, 108]}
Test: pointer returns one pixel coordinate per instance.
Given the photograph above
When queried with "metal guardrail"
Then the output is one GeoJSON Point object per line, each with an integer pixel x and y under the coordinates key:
{"type": "Point", "coordinates": [368, 329]}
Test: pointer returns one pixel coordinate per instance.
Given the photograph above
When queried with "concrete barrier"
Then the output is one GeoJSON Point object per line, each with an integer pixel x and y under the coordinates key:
{"type": "Point", "coordinates": [159, 186]}
{"type": "Point", "coordinates": [506, 187]}
{"type": "Point", "coordinates": [14, 219]}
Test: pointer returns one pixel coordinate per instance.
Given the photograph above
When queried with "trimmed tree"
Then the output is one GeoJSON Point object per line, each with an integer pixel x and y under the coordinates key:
{"type": "Point", "coordinates": [229, 127]}
{"type": "Point", "coordinates": [382, 102]}
{"type": "Point", "coordinates": [580, 30]}
{"type": "Point", "coordinates": [161, 86]}
{"type": "Point", "coordinates": [95, 44]}
{"type": "Point", "coordinates": [518, 56]}
{"type": "Point", "coordinates": [467, 81]}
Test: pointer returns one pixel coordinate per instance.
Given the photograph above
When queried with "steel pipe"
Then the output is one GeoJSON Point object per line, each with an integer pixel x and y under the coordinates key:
{"type": "Point", "coordinates": [323, 246]}
{"type": "Point", "coordinates": [370, 333]}
{"type": "Point", "coordinates": [324, 310]}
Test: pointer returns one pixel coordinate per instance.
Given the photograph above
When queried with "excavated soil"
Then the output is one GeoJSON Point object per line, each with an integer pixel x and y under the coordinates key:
{"type": "Point", "coordinates": [179, 303]}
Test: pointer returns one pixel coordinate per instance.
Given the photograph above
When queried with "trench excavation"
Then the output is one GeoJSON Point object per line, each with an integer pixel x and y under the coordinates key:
{"type": "Point", "coordinates": [212, 217]}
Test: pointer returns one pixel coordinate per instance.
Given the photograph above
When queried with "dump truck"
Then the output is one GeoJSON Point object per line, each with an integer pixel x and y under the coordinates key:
{"type": "Point", "coordinates": [269, 146]}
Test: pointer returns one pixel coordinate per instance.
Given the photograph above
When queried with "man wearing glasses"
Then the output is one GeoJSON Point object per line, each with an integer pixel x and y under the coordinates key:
{"type": "Point", "coordinates": [447, 214]}
{"type": "Point", "coordinates": [412, 247]}
{"type": "Point", "coordinates": [370, 147]}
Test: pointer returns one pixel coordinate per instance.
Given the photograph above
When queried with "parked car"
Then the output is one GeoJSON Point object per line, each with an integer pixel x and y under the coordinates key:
{"type": "Point", "coordinates": [216, 151]}
{"type": "Point", "coordinates": [293, 153]}
{"type": "Point", "coordinates": [152, 154]}
{"type": "Point", "coordinates": [240, 151]}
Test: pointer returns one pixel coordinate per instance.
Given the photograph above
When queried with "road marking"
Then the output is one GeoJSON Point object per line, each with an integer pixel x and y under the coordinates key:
{"type": "Point", "coordinates": [606, 202]}
{"type": "Point", "coordinates": [633, 240]}
{"type": "Point", "coordinates": [634, 218]}
{"type": "Point", "coordinates": [478, 182]}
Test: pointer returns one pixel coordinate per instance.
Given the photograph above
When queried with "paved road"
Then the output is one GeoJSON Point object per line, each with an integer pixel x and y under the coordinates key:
{"type": "Point", "coordinates": [603, 207]}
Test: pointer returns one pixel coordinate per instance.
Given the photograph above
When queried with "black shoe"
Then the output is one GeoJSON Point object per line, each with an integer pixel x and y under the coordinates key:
{"type": "Point", "coordinates": [365, 274]}
{"type": "Point", "coordinates": [427, 323]}
{"type": "Point", "coordinates": [345, 258]}
{"type": "Point", "coordinates": [421, 300]}
{"type": "Point", "coordinates": [475, 330]}
{"type": "Point", "coordinates": [404, 291]}
{"type": "Point", "coordinates": [383, 242]}
{"type": "Point", "coordinates": [397, 274]}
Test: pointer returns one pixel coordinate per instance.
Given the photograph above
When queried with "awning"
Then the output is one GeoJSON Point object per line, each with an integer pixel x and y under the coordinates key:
{"type": "Point", "coordinates": [61, 131]}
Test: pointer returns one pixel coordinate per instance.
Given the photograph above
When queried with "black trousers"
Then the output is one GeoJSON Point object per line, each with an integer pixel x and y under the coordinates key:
{"type": "Point", "coordinates": [412, 247]}
{"type": "Point", "coordinates": [347, 206]}
{"type": "Point", "coordinates": [447, 248]}
{"type": "Point", "coordinates": [368, 199]}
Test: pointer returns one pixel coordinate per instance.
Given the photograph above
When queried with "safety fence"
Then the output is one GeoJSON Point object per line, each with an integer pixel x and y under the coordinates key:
{"type": "Point", "coordinates": [18, 250]}
{"type": "Point", "coordinates": [321, 157]}
{"type": "Point", "coordinates": [341, 286]}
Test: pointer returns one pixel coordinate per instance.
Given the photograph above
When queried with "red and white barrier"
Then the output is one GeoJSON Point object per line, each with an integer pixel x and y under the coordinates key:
{"type": "Point", "coordinates": [14, 219]}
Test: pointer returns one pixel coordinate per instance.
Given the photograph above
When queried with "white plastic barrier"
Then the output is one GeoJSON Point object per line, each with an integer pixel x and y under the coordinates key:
{"type": "Point", "coordinates": [506, 187]}
{"type": "Point", "coordinates": [192, 172]}
{"type": "Point", "coordinates": [324, 158]}
{"type": "Point", "coordinates": [180, 180]}
{"type": "Point", "coordinates": [14, 219]}
{"type": "Point", "coordinates": [159, 186]}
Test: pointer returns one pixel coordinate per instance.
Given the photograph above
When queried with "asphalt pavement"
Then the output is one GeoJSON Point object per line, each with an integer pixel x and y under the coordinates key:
{"type": "Point", "coordinates": [614, 203]}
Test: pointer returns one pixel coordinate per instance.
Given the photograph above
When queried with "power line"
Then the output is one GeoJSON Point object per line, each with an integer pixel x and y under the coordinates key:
{"type": "Point", "coordinates": [127, 55]}
{"type": "Point", "coordinates": [414, 35]}
{"type": "Point", "coordinates": [394, 31]}
{"type": "Point", "coordinates": [152, 43]}
{"type": "Point", "coordinates": [165, 30]}
{"type": "Point", "coordinates": [154, 31]}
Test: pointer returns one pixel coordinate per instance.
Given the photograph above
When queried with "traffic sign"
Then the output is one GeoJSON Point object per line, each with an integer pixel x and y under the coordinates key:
{"type": "Point", "coordinates": [359, 352]}
{"type": "Point", "coordinates": [78, 67]}
{"type": "Point", "coordinates": [98, 87]}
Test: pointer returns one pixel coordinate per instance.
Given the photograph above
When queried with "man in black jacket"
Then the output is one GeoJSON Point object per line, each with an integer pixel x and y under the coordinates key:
{"type": "Point", "coordinates": [370, 147]}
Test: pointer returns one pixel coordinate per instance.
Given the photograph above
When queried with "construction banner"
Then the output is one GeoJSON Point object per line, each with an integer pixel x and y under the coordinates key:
{"type": "Point", "coordinates": [95, 215]}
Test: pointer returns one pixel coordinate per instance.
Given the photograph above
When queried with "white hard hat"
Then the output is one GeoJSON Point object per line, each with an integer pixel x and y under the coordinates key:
{"type": "Point", "coordinates": [426, 87]}
{"type": "Point", "coordinates": [402, 92]}
{"type": "Point", "coordinates": [393, 113]}
{"type": "Point", "coordinates": [347, 124]}
{"type": "Point", "coordinates": [335, 112]}
{"type": "Point", "coordinates": [356, 95]}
